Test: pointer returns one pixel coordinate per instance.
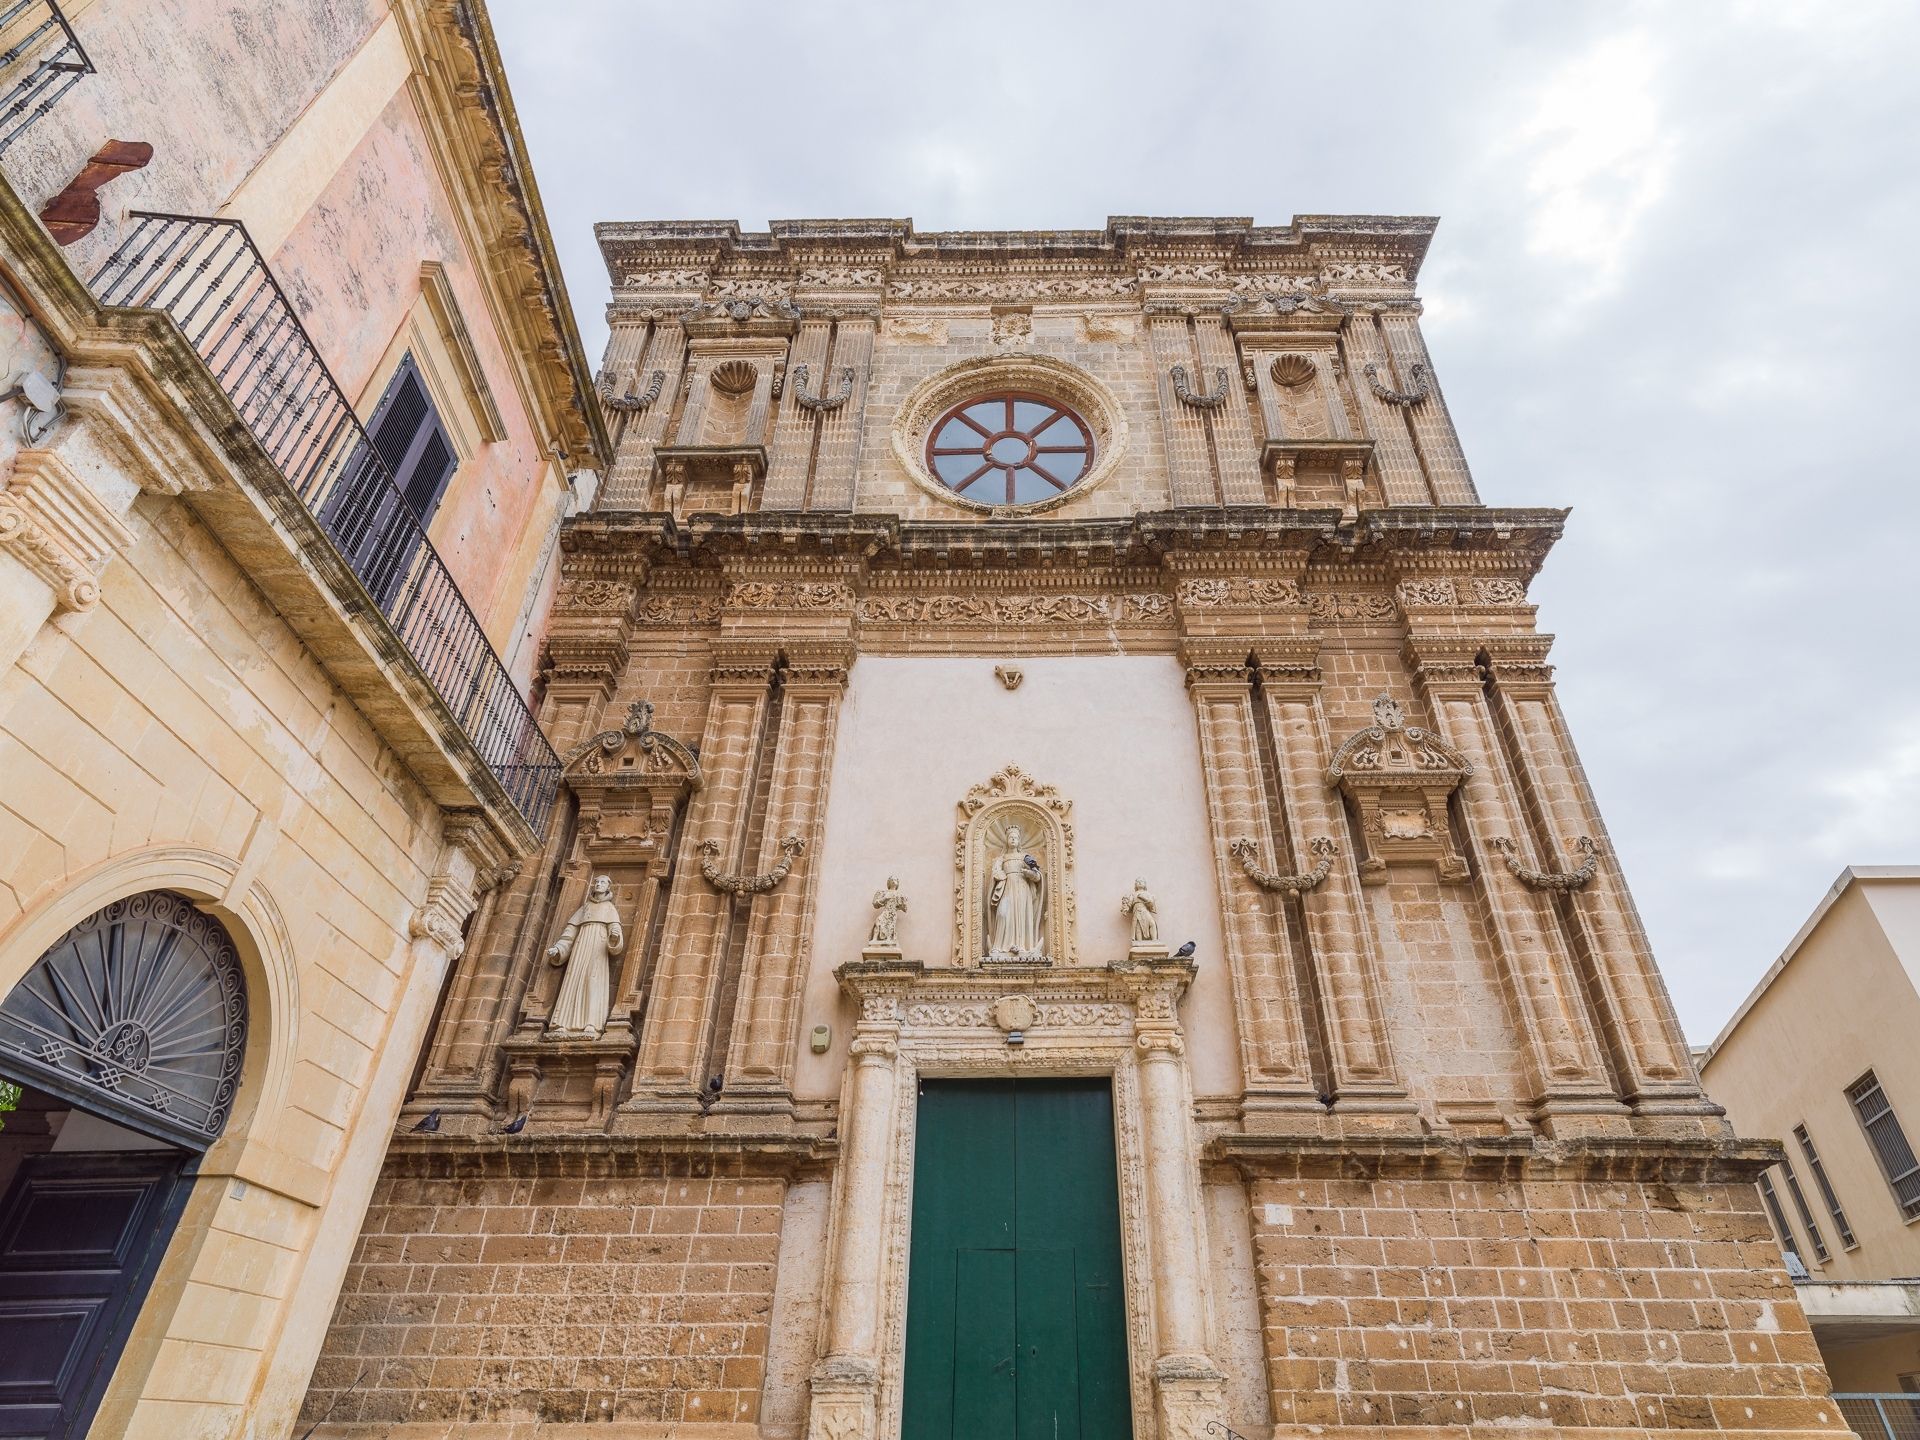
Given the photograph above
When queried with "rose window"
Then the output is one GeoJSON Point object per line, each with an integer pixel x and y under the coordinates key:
{"type": "Point", "coordinates": [1012, 448]}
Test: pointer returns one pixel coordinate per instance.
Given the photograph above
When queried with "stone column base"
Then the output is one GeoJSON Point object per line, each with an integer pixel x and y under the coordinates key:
{"type": "Point", "coordinates": [1188, 1393]}
{"type": "Point", "coordinates": [842, 1407]}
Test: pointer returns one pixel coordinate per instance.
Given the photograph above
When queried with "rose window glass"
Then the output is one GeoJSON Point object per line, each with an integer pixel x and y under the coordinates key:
{"type": "Point", "coordinates": [1010, 449]}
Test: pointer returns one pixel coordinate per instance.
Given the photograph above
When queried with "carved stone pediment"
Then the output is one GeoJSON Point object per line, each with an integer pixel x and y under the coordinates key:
{"type": "Point", "coordinates": [1398, 777]}
{"type": "Point", "coordinates": [990, 816]}
{"type": "Point", "coordinates": [630, 780]}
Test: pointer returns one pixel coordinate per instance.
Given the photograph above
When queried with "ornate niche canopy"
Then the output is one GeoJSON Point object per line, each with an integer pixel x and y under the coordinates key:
{"type": "Point", "coordinates": [1398, 777]}
{"type": "Point", "coordinates": [630, 781]}
{"type": "Point", "coordinates": [1013, 874]}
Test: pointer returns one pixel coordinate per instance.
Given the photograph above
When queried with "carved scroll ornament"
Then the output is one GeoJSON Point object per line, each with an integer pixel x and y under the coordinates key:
{"type": "Point", "coordinates": [630, 402]}
{"type": "Point", "coordinates": [822, 404]}
{"type": "Point", "coordinates": [1306, 880]}
{"type": "Point", "coordinates": [1422, 386]}
{"type": "Point", "coordinates": [1565, 881]}
{"type": "Point", "coordinates": [790, 850]}
{"type": "Point", "coordinates": [1198, 399]}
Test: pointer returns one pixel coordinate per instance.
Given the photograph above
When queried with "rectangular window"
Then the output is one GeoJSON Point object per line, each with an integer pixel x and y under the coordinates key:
{"type": "Point", "coordinates": [1825, 1187]}
{"type": "Point", "coordinates": [1788, 1246]}
{"type": "Point", "coordinates": [379, 526]}
{"type": "Point", "coordinates": [1889, 1142]}
{"type": "Point", "coordinates": [1805, 1213]}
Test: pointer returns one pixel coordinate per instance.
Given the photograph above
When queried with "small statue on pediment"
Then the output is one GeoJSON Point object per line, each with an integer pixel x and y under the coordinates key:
{"type": "Point", "coordinates": [885, 935]}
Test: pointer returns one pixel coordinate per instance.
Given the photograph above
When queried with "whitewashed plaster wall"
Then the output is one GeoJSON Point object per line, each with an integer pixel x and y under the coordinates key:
{"type": "Point", "coordinates": [1113, 733]}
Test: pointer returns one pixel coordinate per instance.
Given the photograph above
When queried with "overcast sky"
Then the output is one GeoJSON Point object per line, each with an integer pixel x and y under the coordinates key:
{"type": "Point", "coordinates": [1673, 288]}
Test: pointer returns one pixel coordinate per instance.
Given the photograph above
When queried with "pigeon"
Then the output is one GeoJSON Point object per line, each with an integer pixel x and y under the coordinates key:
{"type": "Point", "coordinates": [428, 1123]}
{"type": "Point", "coordinates": [515, 1125]}
{"type": "Point", "coordinates": [712, 1092]}
{"type": "Point", "coordinates": [1185, 952]}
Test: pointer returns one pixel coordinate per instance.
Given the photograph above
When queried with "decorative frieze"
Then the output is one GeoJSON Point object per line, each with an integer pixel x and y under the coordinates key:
{"type": "Point", "coordinates": [1016, 610]}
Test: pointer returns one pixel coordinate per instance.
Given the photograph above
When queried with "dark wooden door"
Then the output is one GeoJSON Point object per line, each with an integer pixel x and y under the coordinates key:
{"type": "Point", "coordinates": [80, 1237]}
{"type": "Point", "coordinates": [1016, 1316]}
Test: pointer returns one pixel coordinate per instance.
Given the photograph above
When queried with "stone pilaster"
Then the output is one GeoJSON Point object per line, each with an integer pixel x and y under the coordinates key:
{"type": "Point", "coordinates": [670, 1068]}
{"type": "Point", "coordinates": [837, 449]}
{"type": "Point", "coordinates": [1273, 1043]}
{"type": "Point", "coordinates": [1395, 459]}
{"type": "Point", "coordinates": [1432, 426]}
{"type": "Point", "coordinates": [844, 1384]}
{"type": "Point", "coordinates": [660, 347]}
{"type": "Point", "coordinates": [1571, 1087]}
{"type": "Point", "coordinates": [1346, 961]}
{"type": "Point", "coordinates": [790, 463]}
{"type": "Point", "coordinates": [1235, 455]}
{"type": "Point", "coordinates": [1637, 1020]}
{"type": "Point", "coordinates": [761, 1053]}
{"type": "Point", "coordinates": [1190, 472]}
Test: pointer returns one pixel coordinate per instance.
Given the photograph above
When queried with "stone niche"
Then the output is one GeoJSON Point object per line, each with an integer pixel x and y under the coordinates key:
{"type": "Point", "coordinates": [1398, 778]}
{"type": "Point", "coordinates": [990, 816]}
{"type": "Point", "coordinates": [632, 783]}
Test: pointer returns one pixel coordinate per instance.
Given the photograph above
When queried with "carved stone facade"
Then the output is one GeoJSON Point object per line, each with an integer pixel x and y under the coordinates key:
{"type": "Point", "coordinates": [1407, 1134]}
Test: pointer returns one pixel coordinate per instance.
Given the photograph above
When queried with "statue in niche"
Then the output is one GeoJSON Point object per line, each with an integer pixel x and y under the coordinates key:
{"type": "Point", "coordinates": [1143, 910]}
{"type": "Point", "coordinates": [885, 934]}
{"type": "Point", "coordinates": [586, 947]}
{"type": "Point", "coordinates": [1016, 903]}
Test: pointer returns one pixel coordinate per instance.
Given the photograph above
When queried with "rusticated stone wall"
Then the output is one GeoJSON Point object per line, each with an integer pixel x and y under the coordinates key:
{"type": "Point", "coordinates": [1508, 1302]}
{"type": "Point", "coordinates": [600, 1292]}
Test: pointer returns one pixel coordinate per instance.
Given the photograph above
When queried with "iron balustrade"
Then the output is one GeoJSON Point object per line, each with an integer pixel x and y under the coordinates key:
{"type": "Point", "coordinates": [28, 28]}
{"type": "Point", "coordinates": [1881, 1416]}
{"type": "Point", "coordinates": [212, 280]}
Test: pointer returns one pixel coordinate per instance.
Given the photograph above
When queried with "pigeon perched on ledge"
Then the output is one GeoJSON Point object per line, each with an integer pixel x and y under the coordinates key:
{"type": "Point", "coordinates": [428, 1123]}
{"type": "Point", "coordinates": [1185, 952]}
{"type": "Point", "coordinates": [515, 1125]}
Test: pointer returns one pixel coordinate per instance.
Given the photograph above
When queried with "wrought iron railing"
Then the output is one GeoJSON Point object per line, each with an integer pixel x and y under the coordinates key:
{"type": "Point", "coordinates": [42, 48]}
{"type": "Point", "coordinates": [1890, 1416]}
{"type": "Point", "coordinates": [209, 276]}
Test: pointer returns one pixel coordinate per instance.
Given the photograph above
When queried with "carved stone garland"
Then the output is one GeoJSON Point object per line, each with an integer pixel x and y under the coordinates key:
{"type": "Point", "coordinates": [1199, 399]}
{"type": "Point", "coordinates": [629, 402]}
{"type": "Point", "coordinates": [1306, 880]}
{"type": "Point", "coordinates": [822, 404]}
{"type": "Point", "coordinates": [1565, 881]}
{"type": "Point", "coordinates": [1398, 777]}
{"type": "Point", "coordinates": [1422, 385]}
{"type": "Point", "coordinates": [791, 847]}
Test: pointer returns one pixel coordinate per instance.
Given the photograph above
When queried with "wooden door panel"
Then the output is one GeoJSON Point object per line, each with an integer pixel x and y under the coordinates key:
{"type": "Point", "coordinates": [985, 1359]}
{"type": "Point", "coordinates": [1049, 1352]}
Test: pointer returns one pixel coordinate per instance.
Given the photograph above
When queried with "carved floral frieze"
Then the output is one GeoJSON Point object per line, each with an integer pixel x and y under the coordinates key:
{"type": "Point", "coordinates": [790, 595]}
{"type": "Point", "coordinates": [1262, 593]}
{"type": "Point", "coordinates": [670, 610]}
{"type": "Point", "coordinates": [1349, 606]}
{"type": "Point", "coordinates": [989, 610]}
{"type": "Point", "coordinates": [601, 595]}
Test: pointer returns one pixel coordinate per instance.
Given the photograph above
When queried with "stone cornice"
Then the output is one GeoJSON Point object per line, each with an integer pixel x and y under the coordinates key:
{"type": "Point", "coordinates": [1425, 539]}
{"type": "Point", "coordinates": [1696, 1158]}
{"type": "Point", "coordinates": [1130, 247]}
{"type": "Point", "coordinates": [461, 88]}
{"type": "Point", "coordinates": [449, 1156]}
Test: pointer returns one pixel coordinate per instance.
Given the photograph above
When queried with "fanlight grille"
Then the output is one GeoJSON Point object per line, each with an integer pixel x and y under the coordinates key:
{"type": "Point", "coordinates": [138, 1012]}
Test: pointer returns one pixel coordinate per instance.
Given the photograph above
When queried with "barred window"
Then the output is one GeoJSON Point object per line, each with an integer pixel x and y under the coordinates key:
{"type": "Point", "coordinates": [1789, 1247]}
{"type": "Point", "coordinates": [1825, 1187]}
{"type": "Point", "coordinates": [1805, 1213]}
{"type": "Point", "coordinates": [1889, 1142]}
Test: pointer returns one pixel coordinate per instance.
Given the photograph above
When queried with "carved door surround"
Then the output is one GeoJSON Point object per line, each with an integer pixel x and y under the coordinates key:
{"type": "Point", "coordinates": [1119, 1020]}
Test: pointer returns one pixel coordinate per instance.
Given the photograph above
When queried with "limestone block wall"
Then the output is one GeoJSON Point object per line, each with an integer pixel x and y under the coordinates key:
{"type": "Point", "coordinates": [590, 1286]}
{"type": "Point", "coordinates": [178, 735]}
{"type": "Point", "coordinates": [1623, 1305]}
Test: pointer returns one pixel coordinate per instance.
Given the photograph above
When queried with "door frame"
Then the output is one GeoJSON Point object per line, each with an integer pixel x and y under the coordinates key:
{"type": "Point", "coordinates": [1078, 1022]}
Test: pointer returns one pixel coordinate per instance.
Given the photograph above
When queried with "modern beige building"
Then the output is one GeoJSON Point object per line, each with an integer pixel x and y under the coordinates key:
{"type": "Point", "coordinates": [1825, 1057]}
{"type": "Point", "coordinates": [1074, 912]}
{"type": "Point", "coordinates": [294, 408]}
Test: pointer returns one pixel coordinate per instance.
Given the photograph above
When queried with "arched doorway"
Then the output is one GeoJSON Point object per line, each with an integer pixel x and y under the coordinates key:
{"type": "Point", "coordinates": [122, 1050]}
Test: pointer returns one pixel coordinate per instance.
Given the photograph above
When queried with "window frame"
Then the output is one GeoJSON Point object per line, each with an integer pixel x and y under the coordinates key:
{"type": "Point", "coordinates": [1805, 1211]}
{"type": "Point", "coordinates": [1087, 450]}
{"type": "Point", "coordinates": [1776, 1212]}
{"type": "Point", "coordinates": [1848, 1240]}
{"type": "Point", "coordinates": [1857, 1093]}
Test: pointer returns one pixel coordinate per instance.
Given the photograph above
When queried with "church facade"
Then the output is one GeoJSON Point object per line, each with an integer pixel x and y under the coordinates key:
{"type": "Point", "coordinates": [1074, 911]}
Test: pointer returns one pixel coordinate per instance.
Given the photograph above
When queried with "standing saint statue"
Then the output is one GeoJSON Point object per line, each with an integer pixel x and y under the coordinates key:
{"type": "Point", "coordinates": [1016, 904]}
{"type": "Point", "coordinates": [1140, 907]}
{"type": "Point", "coordinates": [586, 947]}
{"type": "Point", "coordinates": [885, 934]}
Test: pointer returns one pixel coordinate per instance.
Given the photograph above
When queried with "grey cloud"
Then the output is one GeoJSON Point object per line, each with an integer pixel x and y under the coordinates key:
{"type": "Point", "coordinates": [1670, 289]}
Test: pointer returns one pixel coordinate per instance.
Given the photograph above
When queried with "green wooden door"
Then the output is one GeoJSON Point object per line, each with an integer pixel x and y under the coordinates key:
{"type": "Point", "coordinates": [1016, 1316]}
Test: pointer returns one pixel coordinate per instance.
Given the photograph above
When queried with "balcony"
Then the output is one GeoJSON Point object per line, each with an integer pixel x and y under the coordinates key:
{"type": "Point", "coordinates": [43, 59]}
{"type": "Point", "coordinates": [210, 279]}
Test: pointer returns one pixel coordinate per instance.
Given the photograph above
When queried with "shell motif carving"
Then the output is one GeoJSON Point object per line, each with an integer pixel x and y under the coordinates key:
{"type": "Point", "coordinates": [734, 377]}
{"type": "Point", "coordinates": [1293, 371]}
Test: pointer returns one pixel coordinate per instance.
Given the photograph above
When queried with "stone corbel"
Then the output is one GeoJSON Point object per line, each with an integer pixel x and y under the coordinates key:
{"type": "Point", "coordinates": [1307, 880]}
{"type": "Point", "coordinates": [822, 404]}
{"type": "Point", "coordinates": [1422, 385]}
{"type": "Point", "coordinates": [1565, 881]}
{"type": "Point", "coordinates": [1201, 400]}
{"type": "Point", "coordinates": [790, 850]}
{"type": "Point", "coordinates": [55, 525]}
